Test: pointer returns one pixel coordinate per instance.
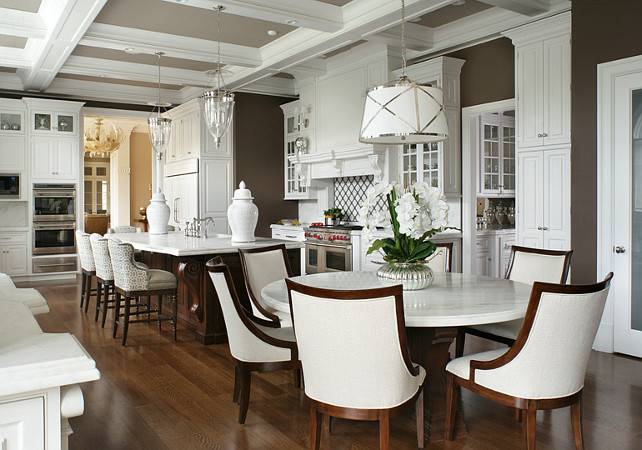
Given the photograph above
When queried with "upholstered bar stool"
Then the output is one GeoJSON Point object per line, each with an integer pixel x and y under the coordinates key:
{"type": "Point", "coordinates": [87, 265]}
{"type": "Point", "coordinates": [133, 280]}
{"type": "Point", "coordinates": [104, 275]}
{"type": "Point", "coordinates": [122, 229]}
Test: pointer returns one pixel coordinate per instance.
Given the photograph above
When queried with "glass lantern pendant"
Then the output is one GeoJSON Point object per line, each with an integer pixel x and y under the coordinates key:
{"type": "Point", "coordinates": [159, 127]}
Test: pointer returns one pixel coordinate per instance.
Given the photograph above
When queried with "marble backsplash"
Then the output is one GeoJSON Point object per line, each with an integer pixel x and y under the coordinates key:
{"type": "Point", "coordinates": [14, 214]}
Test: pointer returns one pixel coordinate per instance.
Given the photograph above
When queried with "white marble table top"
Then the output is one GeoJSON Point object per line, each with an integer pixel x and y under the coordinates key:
{"type": "Point", "coordinates": [177, 244]}
{"type": "Point", "coordinates": [454, 299]}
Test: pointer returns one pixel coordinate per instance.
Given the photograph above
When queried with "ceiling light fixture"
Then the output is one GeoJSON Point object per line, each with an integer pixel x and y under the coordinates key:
{"type": "Point", "coordinates": [291, 22]}
{"type": "Point", "coordinates": [272, 32]}
{"type": "Point", "coordinates": [218, 104]}
{"type": "Point", "coordinates": [403, 112]}
{"type": "Point", "coordinates": [103, 139]}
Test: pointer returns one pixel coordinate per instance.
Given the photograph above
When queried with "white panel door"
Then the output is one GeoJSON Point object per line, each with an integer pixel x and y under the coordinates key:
{"type": "Point", "coordinates": [15, 260]}
{"type": "Point", "coordinates": [530, 101]}
{"type": "Point", "coordinates": [557, 199]}
{"type": "Point", "coordinates": [216, 186]}
{"type": "Point", "coordinates": [557, 91]}
{"type": "Point", "coordinates": [170, 191]}
{"type": "Point", "coordinates": [43, 157]}
{"type": "Point", "coordinates": [530, 201]}
{"type": "Point", "coordinates": [12, 153]}
{"type": "Point", "coordinates": [188, 197]}
{"type": "Point", "coordinates": [22, 424]}
{"type": "Point", "coordinates": [67, 158]}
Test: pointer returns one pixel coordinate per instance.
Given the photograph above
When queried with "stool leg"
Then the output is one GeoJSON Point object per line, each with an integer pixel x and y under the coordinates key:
{"type": "Point", "coordinates": [99, 289]}
{"type": "Point", "coordinates": [126, 319]}
{"type": "Point", "coordinates": [160, 311]}
{"type": "Point", "coordinates": [175, 321]}
{"type": "Point", "coordinates": [107, 291]}
{"type": "Point", "coordinates": [82, 289]}
{"type": "Point", "coordinates": [116, 314]}
{"type": "Point", "coordinates": [89, 277]}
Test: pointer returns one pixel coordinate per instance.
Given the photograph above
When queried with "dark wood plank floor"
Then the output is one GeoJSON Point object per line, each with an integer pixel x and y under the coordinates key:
{"type": "Point", "coordinates": [157, 394]}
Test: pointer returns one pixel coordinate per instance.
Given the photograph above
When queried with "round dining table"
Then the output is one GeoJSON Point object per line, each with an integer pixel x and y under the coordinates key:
{"type": "Point", "coordinates": [432, 316]}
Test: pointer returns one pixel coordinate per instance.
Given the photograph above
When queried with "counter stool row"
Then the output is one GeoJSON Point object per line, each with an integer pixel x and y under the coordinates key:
{"type": "Point", "coordinates": [121, 282]}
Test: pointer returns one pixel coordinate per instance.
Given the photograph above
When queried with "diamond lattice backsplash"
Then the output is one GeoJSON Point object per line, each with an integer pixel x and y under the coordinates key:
{"type": "Point", "coordinates": [349, 194]}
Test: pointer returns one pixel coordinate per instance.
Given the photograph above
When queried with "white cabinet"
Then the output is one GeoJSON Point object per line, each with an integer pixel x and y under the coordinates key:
{"type": "Point", "coordinates": [54, 158]}
{"type": "Point", "coordinates": [12, 153]}
{"type": "Point", "coordinates": [216, 191]}
{"type": "Point", "coordinates": [543, 199]}
{"type": "Point", "coordinates": [543, 81]}
{"type": "Point", "coordinates": [185, 140]}
{"type": "Point", "coordinates": [49, 122]}
{"type": "Point", "coordinates": [496, 158]}
{"type": "Point", "coordinates": [297, 139]}
{"type": "Point", "coordinates": [181, 193]}
{"type": "Point", "coordinates": [13, 139]}
{"type": "Point", "coordinates": [13, 253]}
{"type": "Point", "coordinates": [22, 424]}
{"type": "Point", "coordinates": [493, 252]}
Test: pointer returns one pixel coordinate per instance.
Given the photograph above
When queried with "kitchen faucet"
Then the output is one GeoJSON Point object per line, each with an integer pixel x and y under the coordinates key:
{"type": "Point", "coordinates": [198, 227]}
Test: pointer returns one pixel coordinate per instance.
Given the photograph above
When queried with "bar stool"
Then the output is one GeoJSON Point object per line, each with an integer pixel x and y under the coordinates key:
{"type": "Point", "coordinates": [104, 275]}
{"type": "Point", "coordinates": [122, 229]}
{"type": "Point", "coordinates": [87, 265]}
{"type": "Point", "coordinates": [133, 280]}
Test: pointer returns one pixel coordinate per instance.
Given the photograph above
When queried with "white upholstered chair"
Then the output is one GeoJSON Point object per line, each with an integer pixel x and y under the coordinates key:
{"type": "Point", "coordinates": [262, 266]}
{"type": "Point", "coordinates": [354, 356]}
{"type": "Point", "coordinates": [87, 265]}
{"type": "Point", "coordinates": [545, 367]}
{"type": "Point", "coordinates": [254, 346]}
{"type": "Point", "coordinates": [104, 275]}
{"type": "Point", "coordinates": [526, 265]}
{"type": "Point", "coordinates": [442, 259]}
{"type": "Point", "coordinates": [133, 280]}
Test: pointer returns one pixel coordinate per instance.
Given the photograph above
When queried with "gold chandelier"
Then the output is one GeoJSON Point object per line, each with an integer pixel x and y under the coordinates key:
{"type": "Point", "coordinates": [103, 139]}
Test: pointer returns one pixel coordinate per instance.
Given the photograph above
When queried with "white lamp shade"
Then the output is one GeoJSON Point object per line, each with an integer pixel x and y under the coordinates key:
{"type": "Point", "coordinates": [159, 130]}
{"type": "Point", "coordinates": [403, 113]}
{"type": "Point", "coordinates": [218, 107]}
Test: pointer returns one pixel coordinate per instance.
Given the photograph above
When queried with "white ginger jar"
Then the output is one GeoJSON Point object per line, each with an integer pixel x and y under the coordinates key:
{"type": "Point", "coordinates": [242, 215]}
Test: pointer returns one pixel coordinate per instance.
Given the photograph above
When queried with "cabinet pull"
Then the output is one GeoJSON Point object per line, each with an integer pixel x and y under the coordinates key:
{"type": "Point", "coordinates": [544, 135]}
{"type": "Point", "coordinates": [540, 228]}
{"type": "Point", "coordinates": [540, 135]}
{"type": "Point", "coordinates": [290, 236]}
{"type": "Point", "coordinates": [544, 228]}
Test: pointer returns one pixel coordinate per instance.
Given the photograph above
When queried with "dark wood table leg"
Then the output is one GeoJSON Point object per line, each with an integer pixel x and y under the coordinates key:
{"type": "Point", "coordinates": [430, 347]}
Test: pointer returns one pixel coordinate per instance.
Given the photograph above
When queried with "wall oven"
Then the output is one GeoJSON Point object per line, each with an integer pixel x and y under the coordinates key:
{"type": "Point", "coordinates": [51, 238]}
{"type": "Point", "coordinates": [327, 249]}
{"type": "Point", "coordinates": [9, 186]}
{"type": "Point", "coordinates": [54, 202]}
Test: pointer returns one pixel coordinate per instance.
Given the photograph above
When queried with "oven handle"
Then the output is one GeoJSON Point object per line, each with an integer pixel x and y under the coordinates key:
{"type": "Point", "coordinates": [58, 226]}
{"type": "Point", "coordinates": [54, 194]}
{"type": "Point", "coordinates": [314, 244]}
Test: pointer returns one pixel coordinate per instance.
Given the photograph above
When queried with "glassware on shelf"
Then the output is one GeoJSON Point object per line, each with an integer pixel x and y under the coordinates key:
{"type": "Point", "coordinates": [511, 215]}
{"type": "Point", "coordinates": [500, 215]}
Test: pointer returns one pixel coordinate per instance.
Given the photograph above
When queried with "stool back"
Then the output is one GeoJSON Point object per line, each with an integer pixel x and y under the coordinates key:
{"type": "Point", "coordinates": [128, 275]}
{"type": "Point", "coordinates": [100, 249]}
{"type": "Point", "coordinates": [84, 251]}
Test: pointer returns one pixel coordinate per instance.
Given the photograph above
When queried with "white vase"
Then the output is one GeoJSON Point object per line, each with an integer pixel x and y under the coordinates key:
{"type": "Point", "coordinates": [242, 215]}
{"type": "Point", "coordinates": [158, 214]}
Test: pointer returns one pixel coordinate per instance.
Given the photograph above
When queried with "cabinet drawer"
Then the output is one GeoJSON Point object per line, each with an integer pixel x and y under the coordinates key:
{"type": "Point", "coordinates": [287, 235]}
{"type": "Point", "coordinates": [483, 243]}
{"type": "Point", "coordinates": [13, 238]}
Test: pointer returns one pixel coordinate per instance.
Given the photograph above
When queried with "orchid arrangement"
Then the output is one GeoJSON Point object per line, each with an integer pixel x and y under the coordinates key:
{"type": "Point", "coordinates": [415, 212]}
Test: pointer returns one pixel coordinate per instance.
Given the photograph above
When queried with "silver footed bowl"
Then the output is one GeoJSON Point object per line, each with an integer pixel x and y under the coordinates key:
{"type": "Point", "coordinates": [412, 276]}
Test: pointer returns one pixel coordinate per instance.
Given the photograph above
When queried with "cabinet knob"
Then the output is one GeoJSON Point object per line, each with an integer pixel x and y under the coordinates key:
{"type": "Point", "coordinates": [544, 135]}
{"type": "Point", "coordinates": [544, 228]}
{"type": "Point", "coordinates": [540, 135]}
{"type": "Point", "coordinates": [619, 249]}
{"type": "Point", "coordinates": [540, 228]}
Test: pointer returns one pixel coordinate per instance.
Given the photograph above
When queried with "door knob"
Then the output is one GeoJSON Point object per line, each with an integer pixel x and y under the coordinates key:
{"type": "Point", "coordinates": [619, 249]}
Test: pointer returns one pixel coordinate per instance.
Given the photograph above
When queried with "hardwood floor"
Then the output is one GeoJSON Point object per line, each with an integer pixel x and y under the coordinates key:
{"type": "Point", "coordinates": [157, 394]}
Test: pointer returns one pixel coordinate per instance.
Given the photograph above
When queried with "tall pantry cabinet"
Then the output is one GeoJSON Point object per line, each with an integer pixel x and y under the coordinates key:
{"type": "Point", "coordinates": [543, 117]}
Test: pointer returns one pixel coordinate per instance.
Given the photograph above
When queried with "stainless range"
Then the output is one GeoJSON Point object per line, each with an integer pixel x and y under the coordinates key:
{"type": "Point", "coordinates": [328, 249]}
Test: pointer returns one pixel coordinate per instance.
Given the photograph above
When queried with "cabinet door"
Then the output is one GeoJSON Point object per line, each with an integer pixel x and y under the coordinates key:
{"type": "Point", "coordinates": [530, 201]}
{"type": "Point", "coordinates": [188, 197]}
{"type": "Point", "coordinates": [12, 153]}
{"type": "Point", "coordinates": [216, 189]}
{"type": "Point", "coordinates": [557, 91]}
{"type": "Point", "coordinates": [172, 148]}
{"type": "Point", "coordinates": [530, 102]}
{"type": "Point", "coordinates": [22, 424]}
{"type": "Point", "coordinates": [66, 158]}
{"type": "Point", "coordinates": [14, 260]}
{"type": "Point", "coordinates": [557, 199]}
{"type": "Point", "coordinates": [43, 157]}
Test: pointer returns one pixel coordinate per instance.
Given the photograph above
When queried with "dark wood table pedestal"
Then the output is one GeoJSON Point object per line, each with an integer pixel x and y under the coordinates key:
{"type": "Point", "coordinates": [430, 347]}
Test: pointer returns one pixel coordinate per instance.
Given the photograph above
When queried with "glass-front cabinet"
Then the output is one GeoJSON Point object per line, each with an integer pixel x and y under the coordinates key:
{"type": "Point", "coordinates": [297, 141]}
{"type": "Point", "coordinates": [497, 155]}
{"type": "Point", "coordinates": [50, 122]}
{"type": "Point", "coordinates": [12, 122]}
{"type": "Point", "coordinates": [422, 162]}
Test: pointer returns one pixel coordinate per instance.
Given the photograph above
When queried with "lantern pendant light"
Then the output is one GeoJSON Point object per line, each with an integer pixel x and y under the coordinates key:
{"type": "Point", "coordinates": [218, 104]}
{"type": "Point", "coordinates": [403, 112]}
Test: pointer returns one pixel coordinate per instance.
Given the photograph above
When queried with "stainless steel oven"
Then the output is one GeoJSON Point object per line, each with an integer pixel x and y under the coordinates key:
{"type": "Point", "coordinates": [51, 238]}
{"type": "Point", "coordinates": [54, 202]}
{"type": "Point", "coordinates": [327, 249]}
{"type": "Point", "coordinates": [9, 186]}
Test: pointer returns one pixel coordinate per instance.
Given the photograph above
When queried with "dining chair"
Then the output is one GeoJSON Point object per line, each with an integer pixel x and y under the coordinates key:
{"type": "Point", "coordinates": [133, 280]}
{"type": "Point", "coordinates": [354, 356]}
{"type": "Point", "coordinates": [526, 265]}
{"type": "Point", "coordinates": [442, 259]}
{"type": "Point", "coordinates": [256, 345]}
{"type": "Point", "coordinates": [87, 265]}
{"type": "Point", "coordinates": [545, 367]}
{"type": "Point", "coordinates": [261, 266]}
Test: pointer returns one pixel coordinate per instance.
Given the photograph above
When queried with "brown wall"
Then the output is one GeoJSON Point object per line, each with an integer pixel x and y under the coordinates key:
{"type": "Point", "coordinates": [603, 30]}
{"type": "Point", "coordinates": [489, 72]}
{"type": "Point", "coordinates": [140, 179]}
{"type": "Point", "coordinates": [258, 156]}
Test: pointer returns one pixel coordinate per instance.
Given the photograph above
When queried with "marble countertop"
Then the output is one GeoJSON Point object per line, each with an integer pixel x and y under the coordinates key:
{"type": "Point", "coordinates": [493, 232]}
{"type": "Point", "coordinates": [177, 244]}
{"type": "Point", "coordinates": [454, 299]}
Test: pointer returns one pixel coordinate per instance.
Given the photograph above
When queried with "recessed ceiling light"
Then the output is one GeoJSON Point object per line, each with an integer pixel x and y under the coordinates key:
{"type": "Point", "coordinates": [102, 75]}
{"type": "Point", "coordinates": [130, 50]}
{"type": "Point", "coordinates": [181, 1]}
{"type": "Point", "coordinates": [291, 22]}
{"type": "Point", "coordinates": [272, 32]}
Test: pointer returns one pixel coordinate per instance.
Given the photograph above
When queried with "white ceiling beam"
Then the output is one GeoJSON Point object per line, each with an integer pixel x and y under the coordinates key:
{"type": "Point", "coordinates": [309, 14]}
{"type": "Point", "coordinates": [10, 81]}
{"type": "Point", "coordinates": [418, 38]}
{"type": "Point", "coordinates": [22, 23]}
{"type": "Point", "coordinates": [149, 42]}
{"type": "Point", "coordinates": [96, 67]}
{"type": "Point", "coordinates": [525, 7]}
{"type": "Point", "coordinates": [15, 57]}
{"type": "Point", "coordinates": [66, 21]}
{"type": "Point", "coordinates": [314, 67]}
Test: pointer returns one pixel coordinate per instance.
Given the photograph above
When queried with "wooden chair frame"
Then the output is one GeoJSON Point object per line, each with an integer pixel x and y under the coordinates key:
{"type": "Point", "coordinates": [106, 288]}
{"type": "Point", "coordinates": [86, 291]}
{"type": "Point", "coordinates": [529, 406]}
{"type": "Point", "coordinates": [243, 370]}
{"type": "Point", "coordinates": [461, 334]}
{"type": "Point", "coordinates": [254, 298]}
{"type": "Point", "coordinates": [319, 409]}
{"type": "Point", "coordinates": [449, 248]}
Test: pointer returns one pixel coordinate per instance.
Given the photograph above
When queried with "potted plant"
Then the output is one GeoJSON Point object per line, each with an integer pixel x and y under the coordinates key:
{"type": "Point", "coordinates": [333, 216]}
{"type": "Point", "coordinates": [415, 213]}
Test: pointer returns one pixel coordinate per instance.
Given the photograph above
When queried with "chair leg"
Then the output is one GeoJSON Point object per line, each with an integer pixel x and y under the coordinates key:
{"type": "Point", "coordinates": [160, 309]}
{"type": "Point", "coordinates": [297, 378]}
{"type": "Point", "coordinates": [384, 429]}
{"type": "Point", "coordinates": [315, 426]}
{"type": "Point", "coordinates": [246, 381]}
{"type": "Point", "coordinates": [419, 412]}
{"type": "Point", "coordinates": [237, 382]}
{"type": "Point", "coordinates": [126, 319]}
{"type": "Point", "coordinates": [88, 295]}
{"type": "Point", "coordinates": [576, 421]}
{"type": "Point", "coordinates": [99, 289]}
{"type": "Point", "coordinates": [116, 314]}
{"type": "Point", "coordinates": [452, 394]}
{"type": "Point", "coordinates": [529, 423]}
{"type": "Point", "coordinates": [107, 291]}
{"type": "Point", "coordinates": [327, 424]}
{"type": "Point", "coordinates": [175, 321]}
{"type": "Point", "coordinates": [518, 415]}
{"type": "Point", "coordinates": [459, 343]}
{"type": "Point", "coordinates": [83, 288]}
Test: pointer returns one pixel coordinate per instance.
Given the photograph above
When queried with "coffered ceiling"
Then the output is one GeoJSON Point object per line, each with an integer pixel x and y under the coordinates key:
{"type": "Point", "coordinates": [104, 49]}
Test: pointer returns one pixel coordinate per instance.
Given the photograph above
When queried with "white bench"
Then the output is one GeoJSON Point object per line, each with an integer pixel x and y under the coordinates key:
{"type": "Point", "coordinates": [29, 296]}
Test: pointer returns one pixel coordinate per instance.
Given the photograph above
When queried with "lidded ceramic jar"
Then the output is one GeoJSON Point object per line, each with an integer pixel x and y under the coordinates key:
{"type": "Point", "coordinates": [242, 215]}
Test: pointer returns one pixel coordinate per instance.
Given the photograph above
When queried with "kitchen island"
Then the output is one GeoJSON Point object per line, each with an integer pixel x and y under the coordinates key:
{"type": "Point", "coordinates": [198, 306]}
